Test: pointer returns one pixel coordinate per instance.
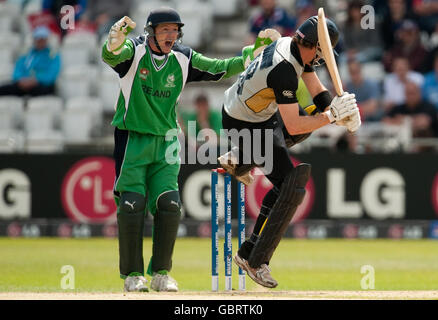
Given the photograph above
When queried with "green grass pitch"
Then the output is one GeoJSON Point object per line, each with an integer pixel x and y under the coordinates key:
{"type": "Point", "coordinates": [34, 265]}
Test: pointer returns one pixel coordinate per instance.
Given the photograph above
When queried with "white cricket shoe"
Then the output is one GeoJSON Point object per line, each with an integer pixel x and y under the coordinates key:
{"type": "Point", "coordinates": [164, 282]}
{"type": "Point", "coordinates": [136, 284]}
{"type": "Point", "coordinates": [261, 275]}
{"type": "Point", "coordinates": [229, 162]}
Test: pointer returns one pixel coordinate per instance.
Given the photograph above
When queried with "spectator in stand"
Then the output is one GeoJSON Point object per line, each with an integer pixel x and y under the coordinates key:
{"type": "Point", "coordinates": [423, 115]}
{"type": "Point", "coordinates": [304, 9]}
{"type": "Point", "coordinates": [432, 50]}
{"type": "Point", "coordinates": [271, 16]}
{"type": "Point", "coordinates": [430, 86]}
{"type": "Point", "coordinates": [427, 12]}
{"type": "Point", "coordinates": [35, 72]}
{"type": "Point", "coordinates": [397, 12]}
{"type": "Point", "coordinates": [408, 45]}
{"type": "Point", "coordinates": [362, 44]}
{"type": "Point", "coordinates": [104, 13]}
{"type": "Point", "coordinates": [394, 83]}
{"type": "Point", "coordinates": [367, 92]}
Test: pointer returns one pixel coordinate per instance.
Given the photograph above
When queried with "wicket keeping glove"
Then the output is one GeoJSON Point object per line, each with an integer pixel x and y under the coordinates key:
{"type": "Point", "coordinates": [118, 33]}
{"type": "Point", "coordinates": [264, 38]}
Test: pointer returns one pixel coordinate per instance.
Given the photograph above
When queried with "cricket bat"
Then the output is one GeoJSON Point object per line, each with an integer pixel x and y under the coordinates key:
{"type": "Point", "coordinates": [327, 51]}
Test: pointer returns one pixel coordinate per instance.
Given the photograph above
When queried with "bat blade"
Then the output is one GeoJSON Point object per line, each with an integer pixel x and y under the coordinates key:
{"type": "Point", "coordinates": [327, 52]}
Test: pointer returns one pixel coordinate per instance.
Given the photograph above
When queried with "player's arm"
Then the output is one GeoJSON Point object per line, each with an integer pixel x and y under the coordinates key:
{"type": "Point", "coordinates": [202, 68]}
{"type": "Point", "coordinates": [116, 48]}
{"type": "Point", "coordinates": [323, 100]}
{"type": "Point", "coordinates": [283, 81]}
{"type": "Point", "coordinates": [340, 108]}
{"type": "Point", "coordinates": [206, 69]}
{"type": "Point", "coordinates": [314, 85]}
{"type": "Point", "coordinates": [297, 124]}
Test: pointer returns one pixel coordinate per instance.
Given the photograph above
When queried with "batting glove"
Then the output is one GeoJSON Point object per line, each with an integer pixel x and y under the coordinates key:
{"type": "Point", "coordinates": [342, 107]}
{"type": "Point", "coordinates": [352, 123]}
{"type": "Point", "coordinates": [118, 33]}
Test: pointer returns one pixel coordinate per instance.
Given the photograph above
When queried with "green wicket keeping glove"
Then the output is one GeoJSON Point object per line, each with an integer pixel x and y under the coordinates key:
{"type": "Point", "coordinates": [118, 33]}
{"type": "Point", "coordinates": [264, 38]}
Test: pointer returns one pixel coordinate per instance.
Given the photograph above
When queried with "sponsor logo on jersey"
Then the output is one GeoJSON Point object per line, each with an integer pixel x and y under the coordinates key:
{"type": "Point", "coordinates": [170, 81]}
{"type": "Point", "coordinates": [288, 93]}
{"type": "Point", "coordinates": [143, 73]}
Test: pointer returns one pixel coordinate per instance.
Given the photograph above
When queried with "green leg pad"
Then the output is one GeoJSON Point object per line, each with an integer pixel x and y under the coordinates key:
{"type": "Point", "coordinates": [130, 220]}
{"type": "Point", "coordinates": [166, 222]}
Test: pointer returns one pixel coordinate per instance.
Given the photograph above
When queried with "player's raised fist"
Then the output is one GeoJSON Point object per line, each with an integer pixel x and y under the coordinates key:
{"type": "Point", "coordinates": [118, 33]}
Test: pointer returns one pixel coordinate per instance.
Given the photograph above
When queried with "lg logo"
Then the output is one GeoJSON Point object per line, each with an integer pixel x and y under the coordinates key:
{"type": "Point", "coordinates": [87, 194]}
{"type": "Point", "coordinates": [382, 195]}
{"type": "Point", "coordinates": [15, 194]}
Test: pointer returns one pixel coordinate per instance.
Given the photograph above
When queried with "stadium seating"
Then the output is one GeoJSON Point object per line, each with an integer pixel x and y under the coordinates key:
{"type": "Point", "coordinates": [197, 27]}
{"type": "Point", "coordinates": [43, 113]}
{"type": "Point", "coordinates": [11, 141]}
{"type": "Point", "coordinates": [9, 46]}
{"type": "Point", "coordinates": [226, 8]}
{"type": "Point", "coordinates": [108, 88]}
{"type": "Point", "coordinates": [11, 110]}
{"type": "Point", "coordinates": [77, 81]}
{"type": "Point", "coordinates": [9, 13]}
{"type": "Point", "coordinates": [42, 125]}
{"type": "Point", "coordinates": [92, 106]}
{"type": "Point", "coordinates": [32, 6]}
{"type": "Point", "coordinates": [44, 142]}
{"type": "Point", "coordinates": [77, 123]}
{"type": "Point", "coordinates": [79, 48]}
{"type": "Point", "coordinates": [6, 72]}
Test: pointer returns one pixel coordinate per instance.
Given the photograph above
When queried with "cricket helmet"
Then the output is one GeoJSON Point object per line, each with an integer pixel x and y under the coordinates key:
{"type": "Point", "coordinates": [162, 15]}
{"type": "Point", "coordinates": [308, 33]}
{"type": "Point", "coordinates": [159, 16]}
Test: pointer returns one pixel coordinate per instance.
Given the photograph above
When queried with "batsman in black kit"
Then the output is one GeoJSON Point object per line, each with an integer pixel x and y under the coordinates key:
{"type": "Point", "coordinates": [264, 98]}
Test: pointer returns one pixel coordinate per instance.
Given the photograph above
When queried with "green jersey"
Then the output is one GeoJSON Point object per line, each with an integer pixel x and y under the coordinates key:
{"type": "Point", "coordinates": [150, 85]}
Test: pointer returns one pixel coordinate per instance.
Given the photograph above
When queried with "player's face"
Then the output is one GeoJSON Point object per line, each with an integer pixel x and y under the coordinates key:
{"type": "Point", "coordinates": [317, 56]}
{"type": "Point", "coordinates": [166, 35]}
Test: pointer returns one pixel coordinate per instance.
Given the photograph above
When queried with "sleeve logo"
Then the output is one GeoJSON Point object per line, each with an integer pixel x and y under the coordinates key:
{"type": "Point", "coordinates": [288, 93]}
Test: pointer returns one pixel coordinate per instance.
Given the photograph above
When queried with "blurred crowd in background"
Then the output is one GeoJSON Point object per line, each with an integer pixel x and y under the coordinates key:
{"type": "Point", "coordinates": [56, 92]}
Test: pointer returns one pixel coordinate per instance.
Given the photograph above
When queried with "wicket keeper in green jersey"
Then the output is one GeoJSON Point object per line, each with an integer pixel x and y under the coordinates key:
{"type": "Point", "coordinates": [153, 70]}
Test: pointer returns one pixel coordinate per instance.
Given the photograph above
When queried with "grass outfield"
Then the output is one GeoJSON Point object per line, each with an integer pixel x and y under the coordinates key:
{"type": "Point", "coordinates": [34, 265]}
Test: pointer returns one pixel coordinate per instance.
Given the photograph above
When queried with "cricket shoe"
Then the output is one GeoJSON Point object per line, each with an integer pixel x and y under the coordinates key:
{"type": "Point", "coordinates": [136, 284]}
{"type": "Point", "coordinates": [261, 275]}
{"type": "Point", "coordinates": [229, 162]}
{"type": "Point", "coordinates": [164, 282]}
